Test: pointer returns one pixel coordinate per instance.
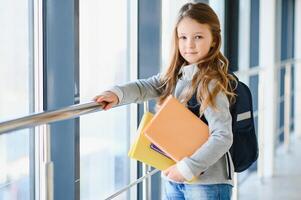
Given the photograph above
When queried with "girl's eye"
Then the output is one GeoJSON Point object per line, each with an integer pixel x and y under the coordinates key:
{"type": "Point", "coordinates": [198, 37]}
{"type": "Point", "coordinates": [182, 37]}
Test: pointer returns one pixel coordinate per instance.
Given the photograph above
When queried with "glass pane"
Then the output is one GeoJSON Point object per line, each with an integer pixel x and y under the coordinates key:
{"type": "Point", "coordinates": [219, 9]}
{"type": "Point", "coordinates": [104, 137]}
{"type": "Point", "coordinates": [15, 166]}
{"type": "Point", "coordinates": [170, 11]}
{"type": "Point", "coordinates": [15, 97]}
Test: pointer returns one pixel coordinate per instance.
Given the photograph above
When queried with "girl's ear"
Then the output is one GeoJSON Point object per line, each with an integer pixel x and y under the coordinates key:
{"type": "Point", "coordinates": [212, 44]}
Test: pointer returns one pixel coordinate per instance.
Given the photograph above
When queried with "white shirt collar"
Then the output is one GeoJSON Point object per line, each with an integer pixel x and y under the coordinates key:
{"type": "Point", "coordinates": [188, 71]}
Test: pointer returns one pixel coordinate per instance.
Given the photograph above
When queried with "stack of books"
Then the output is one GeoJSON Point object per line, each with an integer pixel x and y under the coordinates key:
{"type": "Point", "coordinates": [165, 138]}
{"type": "Point", "coordinates": [141, 149]}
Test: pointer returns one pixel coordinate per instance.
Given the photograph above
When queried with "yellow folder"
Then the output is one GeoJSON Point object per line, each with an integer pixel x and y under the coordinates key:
{"type": "Point", "coordinates": [141, 149]}
{"type": "Point", "coordinates": [176, 130]}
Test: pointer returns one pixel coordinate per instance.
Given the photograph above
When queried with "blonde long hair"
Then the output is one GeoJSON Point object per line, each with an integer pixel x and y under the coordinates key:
{"type": "Point", "coordinates": [213, 67]}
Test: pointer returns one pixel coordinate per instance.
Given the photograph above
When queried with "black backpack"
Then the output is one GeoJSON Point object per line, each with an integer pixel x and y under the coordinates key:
{"type": "Point", "coordinates": [244, 150]}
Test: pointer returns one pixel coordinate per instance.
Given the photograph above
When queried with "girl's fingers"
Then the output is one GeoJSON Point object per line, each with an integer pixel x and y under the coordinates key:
{"type": "Point", "coordinates": [107, 108]}
{"type": "Point", "coordinates": [101, 99]}
{"type": "Point", "coordinates": [106, 99]}
{"type": "Point", "coordinates": [108, 105]}
{"type": "Point", "coordinates": [97, 98]}
{"type": "Point", "coordinates": [166, 172]}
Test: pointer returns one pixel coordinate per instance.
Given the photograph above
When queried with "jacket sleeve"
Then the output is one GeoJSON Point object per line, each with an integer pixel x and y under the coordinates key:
{"type": "Point", "coordinates": [139, 91]}
{"type": "Point", "coordinates": [219, 142]}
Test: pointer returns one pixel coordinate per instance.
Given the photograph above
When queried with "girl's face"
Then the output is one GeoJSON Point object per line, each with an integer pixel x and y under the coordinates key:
{"type": "Point", "coordinates": [195, 40]}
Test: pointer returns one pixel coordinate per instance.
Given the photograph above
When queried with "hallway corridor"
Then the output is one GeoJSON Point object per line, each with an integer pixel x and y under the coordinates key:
{"type": "Point", "coordinates": [286, 184]}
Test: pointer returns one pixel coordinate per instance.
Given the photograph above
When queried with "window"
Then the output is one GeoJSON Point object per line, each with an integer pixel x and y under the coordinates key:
{"type": "Point", "coordinates": [104, 136]}
{"type": "Point", "coordinates": [170, 11]}
{"type": "Point", "coordinates": [16, 71]}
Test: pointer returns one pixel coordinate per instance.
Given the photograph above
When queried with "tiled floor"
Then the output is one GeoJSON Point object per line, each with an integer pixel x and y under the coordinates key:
{"type": "Point", "coordinates": [285, 185]}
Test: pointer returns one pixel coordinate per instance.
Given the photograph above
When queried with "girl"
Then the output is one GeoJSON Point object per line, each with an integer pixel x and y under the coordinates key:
{"type": "Point", "coordinates": [197, 70]}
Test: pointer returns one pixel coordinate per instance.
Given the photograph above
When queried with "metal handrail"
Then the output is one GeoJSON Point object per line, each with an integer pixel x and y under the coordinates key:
{"type": "Point", "coordinates": [283, 63]}
{"type": "Point", "coordinates": [257, 69]}
{"type": "Point", "coordinates": [139, 180]}
{"type": "Point", "coordinates": [46, 117]}
{"type": "Point", "coordinates": [249, 72]}
{"type": "Point", "coordinates": [69, 112]}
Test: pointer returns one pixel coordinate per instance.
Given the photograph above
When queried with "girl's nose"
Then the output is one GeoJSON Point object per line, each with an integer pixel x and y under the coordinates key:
{"type": "Point", "coordinates": [190, 43]}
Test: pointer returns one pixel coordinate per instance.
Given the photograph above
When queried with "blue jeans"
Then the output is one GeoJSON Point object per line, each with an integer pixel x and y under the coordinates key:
{"type": "Point", "coordinates": [178, 191]}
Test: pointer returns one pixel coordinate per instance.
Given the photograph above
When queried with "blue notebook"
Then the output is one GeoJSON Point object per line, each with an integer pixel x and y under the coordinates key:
{"type": "Point", "coordinates": [157, 149]}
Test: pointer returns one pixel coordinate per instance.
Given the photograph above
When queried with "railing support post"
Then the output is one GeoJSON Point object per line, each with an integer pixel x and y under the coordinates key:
{"type": "Point", "coordinates": [147, 184]}
{"type": "Point", "coordinates": [47, 167]}
{"type": "Point", "coordinates": [287, 106]}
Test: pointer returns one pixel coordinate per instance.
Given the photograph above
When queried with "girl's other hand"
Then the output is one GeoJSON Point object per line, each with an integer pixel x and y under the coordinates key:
{"type": "Point", "coordinates": [173, 173]}
{"type": "Point", "coordinates": [107, 100]}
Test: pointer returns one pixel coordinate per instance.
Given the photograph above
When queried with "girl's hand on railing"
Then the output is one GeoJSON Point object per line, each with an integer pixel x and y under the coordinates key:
{"type": "Point", "coordinates": [106, 99]}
